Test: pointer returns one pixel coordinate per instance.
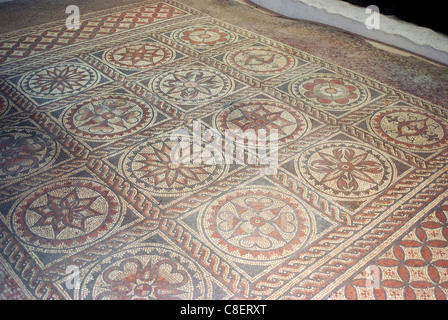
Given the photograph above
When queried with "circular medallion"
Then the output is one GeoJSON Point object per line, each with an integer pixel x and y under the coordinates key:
{"type": "Point", "coordinates": [151, 167]}
{"type": "Point", "coordinates": [151, 272]}
{"type": "Point", "coordinates": [108, 117]}
{"type": "Point", "coordinates": [139, 55]}
{"type": "Point", "coordinates": [66, 215]}
{"type": "Point", "coordinates": [411, 128]}
{"type": "Point", "coordinates": [263, 115]}
{"type": "Point", "coordinates": [260, 60]}
{"type": "Point", "coordinates": [330, 92]}
{"type": "Point", "coordinates": [204, 36]}
{"type": "Point", "coordinates": [24, 151]}
{"type": "Point", "coordinates": [192, 86]}
{"type": "Point", "coordinates": [60, 80]}
{"type": "Point", "coordinates": [256, 224]}
{"type": "Point", "coordinates": [346, 170]}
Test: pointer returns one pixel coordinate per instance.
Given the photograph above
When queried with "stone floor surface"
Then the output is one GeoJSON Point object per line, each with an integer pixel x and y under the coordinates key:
{"type": "Point", "coordinates": [349, 202]}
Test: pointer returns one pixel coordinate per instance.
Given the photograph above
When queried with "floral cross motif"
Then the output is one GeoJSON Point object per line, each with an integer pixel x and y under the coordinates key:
{"type": "Point", "coordinates": [346, 167]}
{"type": "Point", "coordinates": [257, 223]}
{"type": "Point", "coordinates": [328, 91]}
{"type": "Point", "coordinates": [192, 84]}
{"type": "Point", "coordinates": [108, 116]}
{"type": "Point", "coordinates": [19, 153]}
{"type": "Point", "coordinates": [153, 281]}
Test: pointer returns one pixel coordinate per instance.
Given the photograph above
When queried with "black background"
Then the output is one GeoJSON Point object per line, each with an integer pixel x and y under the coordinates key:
{"type": "Point", "coordinates": [430, 14]}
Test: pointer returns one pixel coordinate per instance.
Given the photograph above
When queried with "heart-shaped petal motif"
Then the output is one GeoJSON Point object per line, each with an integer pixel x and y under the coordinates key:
{"type": "Point", "coordinates": [256, 240]}
{"type": "Point", "coordinates": [127, 271]}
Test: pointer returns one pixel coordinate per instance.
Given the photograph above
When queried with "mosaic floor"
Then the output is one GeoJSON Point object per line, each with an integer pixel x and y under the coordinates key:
{"type": "Point", "coordinates": [356, 208]}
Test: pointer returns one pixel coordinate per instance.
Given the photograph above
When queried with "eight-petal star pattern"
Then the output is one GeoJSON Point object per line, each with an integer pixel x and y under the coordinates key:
{"type": "Point", "coordinates": [346, 168]}
{"type": "Point", "coordinates": [192, 86]}
{"type": "Point", "coordinates": [60, 80]}
{"type": "Point", "coordinates": [159, 167]}
{"type": "Point", "coordinates": [265, 115]}
{"type": "Point", "coordinates": [67, 215]}
{"type": "Point", "coordinates": [139, 56]}
{"type": "Point", "coordinates": [65, 212]}
{"type": "Point", "coordinates": [151, 166]}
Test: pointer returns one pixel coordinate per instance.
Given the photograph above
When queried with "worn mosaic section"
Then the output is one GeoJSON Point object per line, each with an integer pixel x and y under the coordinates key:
{"type": "Point", "coordinates": [87, 179]}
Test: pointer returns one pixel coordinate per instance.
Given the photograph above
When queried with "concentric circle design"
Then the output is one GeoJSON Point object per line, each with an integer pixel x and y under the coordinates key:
{"type": "Point", "coordinates": [256, 224]}
{"type": "Point", "coordinates": [139, 55]}
{"type": "Point", "coordinates": [150, 167]}
{"type": "Point", "coordinates": [411, 128]}
{"type": "Point", "coordinates": [330, 92]}
{"type": "Point", "coordinates": [66, 215]}
{"type": "Point", "coordinates": [263, 115]}
{"type": "Point", "coordinates": [346, 170]}
{"type": "Point", "coordinates": [192, 86]}
{"type": "Point", "coordinates": [204, 36]}
{"type": "Point", "coordinates": [108, 117]}
{"type": "Point", "coordinates": [60, 80]}
{"type": "Point", "coordinates": [151, 272]}
{"type": "Point", "coordinates": [4, 104]}
{"type": "Point", "coordinates": [260, 60]}
{"type": "Point", "coordinates": [24, 151]}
